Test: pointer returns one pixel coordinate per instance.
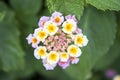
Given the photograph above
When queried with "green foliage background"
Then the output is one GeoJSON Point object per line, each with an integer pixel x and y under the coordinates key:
{"type": "Point", "coordinates": [99, 20]}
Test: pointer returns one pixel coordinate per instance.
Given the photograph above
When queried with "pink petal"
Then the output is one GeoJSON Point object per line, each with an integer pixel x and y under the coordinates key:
{"type": "Point", "coordinates": [64, 65]}
{"type": "Point", "coordinates": [75, 60]}
{"type": "Point", "coordinates": [34, 45]}
{"type": "Point", "coordinates": [48, 66]}
{"type": "Point", "coordinates": [78, 30]}
{"type": "Point", "coordinates": [57, 14]}
{"type": "Point", "coordinates": [42, 21]}
{"type": "Point", "coordinates": [29, 38]}
{"type": "Point", "coordinates": [71, 17]}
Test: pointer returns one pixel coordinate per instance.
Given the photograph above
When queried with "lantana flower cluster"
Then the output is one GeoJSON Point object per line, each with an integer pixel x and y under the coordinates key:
{"type": "Point", "coordinates": [57, 41]}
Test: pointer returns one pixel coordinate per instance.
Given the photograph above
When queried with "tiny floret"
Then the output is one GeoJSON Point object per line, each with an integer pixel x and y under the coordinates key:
{"type": "Point", "coordinates": [69, 26]}
{"type": "Point", "coordinates": [40, 52]}
{"type": "Point", "coordinates": [40, 34]}
{"type": "Point", "coordinates": [74, 51]}
{"type": "Point", "coordinates": [57, 18]}
{"type": "Point", "coordinates": [51, 28]}
{"type": "Point", "coordinates": [81, 40]}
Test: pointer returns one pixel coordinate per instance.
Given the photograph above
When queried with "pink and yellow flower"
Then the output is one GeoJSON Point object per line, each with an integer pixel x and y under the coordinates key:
{"type": "Point", "coordinates": [57, 42]}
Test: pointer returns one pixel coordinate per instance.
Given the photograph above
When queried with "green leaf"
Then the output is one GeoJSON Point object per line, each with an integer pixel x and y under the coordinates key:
{"type": "Point", "coordinates": [2, 6]}
{"type": "Point", "coordinates": [109, 58]}
{"type": "Point", "coordinates": [27, 25]}
{"type": "Point", "coordinates": [2, 10]}
{"type": "Point", "coordinates": [63, 76]}
{"type": "Point", "coordinates": [6, 76]}
{"type": "Point", "coordinates": [11, 53]}
{"type": "Point", "coordinates": [100, 28]}
{"type": "Point", "coordinates": [105, 4]}
{"type": "Point", "coordinates": [2, 15]}
{"type": "Point", "coordinates": [26, 6]}
{"type": "Point", "coordinates": [74, 7]}
{"type": "Point", "coordinates": [45, 13]}
{"type": "Point", "coordinates": [113, 53]}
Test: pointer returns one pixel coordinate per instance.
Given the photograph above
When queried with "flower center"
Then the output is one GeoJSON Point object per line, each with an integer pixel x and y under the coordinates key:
{"type": "Point", "coordinates": [42, 34]}
{"type": "Point", "coordinates": [51, 28]}
{"type": "Point", "coordinates": [57, 43]}
{"type": "Point", "coordinates": [34, 40]}
{"type": "Point", "coordinates": [41, 52]}
{"type": "Point", "coordinates": [53, 57]}
{"type": "Point", "coordinates": [73, 50]}
{"type": "Point", "coordinates": [68, 27]}
{"type": "Point", "coordinates": [57, 19]}
{"type": "Point", "coordinates": [79, 40]}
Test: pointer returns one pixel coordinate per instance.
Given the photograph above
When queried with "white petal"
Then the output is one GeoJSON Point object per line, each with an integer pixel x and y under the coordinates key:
{"type": "Point", "coordinates": [36, 54]}
{"type": "Point", "coordinates": [85, 41]}
{"type": "Point", "coordinates": [79, 52]}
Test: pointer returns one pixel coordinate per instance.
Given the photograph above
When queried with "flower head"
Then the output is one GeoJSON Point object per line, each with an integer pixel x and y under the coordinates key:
{"type": "Point", "coordinates": [57, 42]}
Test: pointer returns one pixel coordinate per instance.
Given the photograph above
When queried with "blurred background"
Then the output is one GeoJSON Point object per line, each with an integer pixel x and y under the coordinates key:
{"type": "Point", "coordinates": [18, 18]}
